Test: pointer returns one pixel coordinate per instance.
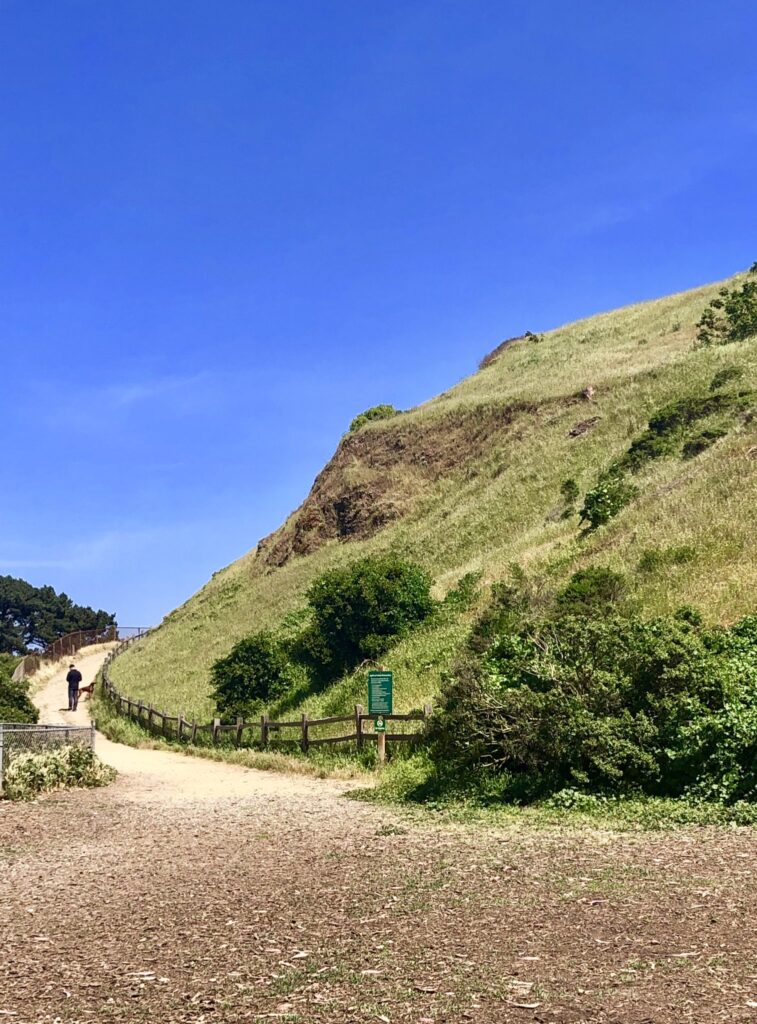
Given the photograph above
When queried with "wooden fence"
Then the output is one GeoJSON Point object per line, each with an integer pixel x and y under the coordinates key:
{"type": "Point", "coordinates": [303, 732]}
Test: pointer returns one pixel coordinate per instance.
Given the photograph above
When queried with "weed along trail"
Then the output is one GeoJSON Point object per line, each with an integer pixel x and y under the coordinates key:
{"type": "Point", "coordinates": [195, 892]}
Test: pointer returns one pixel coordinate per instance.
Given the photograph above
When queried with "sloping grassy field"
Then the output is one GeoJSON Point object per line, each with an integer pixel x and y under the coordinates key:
{"type": "Point", "coordinates": [481, 490]}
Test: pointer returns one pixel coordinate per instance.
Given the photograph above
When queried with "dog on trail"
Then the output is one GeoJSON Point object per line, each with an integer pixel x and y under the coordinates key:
{"type": "Point", "coordinates": [89, 690]}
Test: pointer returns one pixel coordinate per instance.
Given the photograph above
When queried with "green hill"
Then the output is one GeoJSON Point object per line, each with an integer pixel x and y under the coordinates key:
{"type": "Point", "coordinates": [475, 481]}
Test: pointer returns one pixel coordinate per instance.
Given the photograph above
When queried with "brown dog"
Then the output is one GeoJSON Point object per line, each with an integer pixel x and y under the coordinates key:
{"type": "Point", "coordinates": [89, 690]}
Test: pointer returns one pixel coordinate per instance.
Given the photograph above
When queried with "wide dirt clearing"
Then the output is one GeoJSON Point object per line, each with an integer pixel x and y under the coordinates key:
{"type": "Point", "coordinates": [200, 892]}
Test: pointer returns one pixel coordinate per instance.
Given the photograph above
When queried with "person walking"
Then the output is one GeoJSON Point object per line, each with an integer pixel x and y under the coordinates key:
{"type": "Point", "coordinates": [73, 679]}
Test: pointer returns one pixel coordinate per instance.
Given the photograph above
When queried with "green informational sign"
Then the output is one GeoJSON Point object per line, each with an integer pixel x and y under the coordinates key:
{"type": "Point", "coordinates": [380, 724]}
{"type": "Point", "coordinates": [380, 687]}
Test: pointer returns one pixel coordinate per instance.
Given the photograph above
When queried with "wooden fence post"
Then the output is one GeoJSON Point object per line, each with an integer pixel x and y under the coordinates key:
{"type": "Point", "coordinates": [194, 731]}
{"type": "Point", "coordinates": [240, 727]}
{"type": "Point", "coordinates": [305, 739]}
{"type": "Point", "coordinates": [427, 709]}
{"type": "Point", "coordinates": [264, 730]}
{"type": "Point", "coordinates": [180, 726]}
{"type": "Point", "coordinates": [149, 717]}
{"type": "Point", "coordinates": [216, 729]}
{"type": "Point", "coordinates": [359, 725]}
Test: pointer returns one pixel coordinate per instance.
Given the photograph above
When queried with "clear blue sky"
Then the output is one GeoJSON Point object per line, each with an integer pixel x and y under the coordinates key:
{"type": "Point", "coordinates": [226, 227]}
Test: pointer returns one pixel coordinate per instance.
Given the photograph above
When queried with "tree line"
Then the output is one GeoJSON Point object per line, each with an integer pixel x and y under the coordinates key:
{"type": "Point", "coordinates": [33, 617]}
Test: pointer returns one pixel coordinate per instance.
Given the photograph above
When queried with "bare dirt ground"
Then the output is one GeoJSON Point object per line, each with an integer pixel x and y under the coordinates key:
{"type": "Point", "coordinates": [191, 891]}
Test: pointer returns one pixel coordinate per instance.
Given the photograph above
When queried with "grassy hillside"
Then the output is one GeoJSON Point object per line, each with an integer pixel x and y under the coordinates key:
{"type": "Point", "coordinates": [471, 481]}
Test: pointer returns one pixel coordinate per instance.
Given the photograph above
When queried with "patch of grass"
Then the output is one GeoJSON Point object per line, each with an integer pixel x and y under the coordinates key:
{"type": "Point", "coordinates": [409, 784]}
{"type": "Point", "coordinates": [654, 559]}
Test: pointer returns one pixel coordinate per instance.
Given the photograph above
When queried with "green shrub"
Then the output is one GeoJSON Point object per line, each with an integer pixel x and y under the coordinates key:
{"type": "Point", "coordinates": [591, 591]}
{"type": "Point", "coordinates": [511, 604]}
{"type": "Point", "coordinates": [15, 705]}
{"type": "Point", "coordinates": [702, 441]}
{"type": "Point", "coordinates": [255, 671]}
{"type": "Point", "coordinates": [668, 432]}
{"type": "Point", "coordinates": [360, 610]}
{"type": "Point", "coordinates": [671, 425]}
{"type": "Point", "coordinates": [463, 594]}
{"type": "Point", "coordinates": [611, 494]}
{"type": "Point", "coordinates": [609, 705]}
{"type": "Point", "coordinates": [730, 317]}
{"type": "Point", "coordinates": [569, 490]}
{"type": "Point", "coordinates": [679, 415]}
{"type": "Point", "coordinates": [377, 412]}
{"type": "Point", "coordinates": [30, 774]}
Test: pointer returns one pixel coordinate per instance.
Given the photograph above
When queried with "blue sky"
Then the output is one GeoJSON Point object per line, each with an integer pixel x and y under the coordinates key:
{"type": "Point", "coordinates": [227, 227]}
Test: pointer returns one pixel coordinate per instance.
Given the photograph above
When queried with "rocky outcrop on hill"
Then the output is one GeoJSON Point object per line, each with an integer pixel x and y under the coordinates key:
{"type": "Point", "coordinates": [377, 474]}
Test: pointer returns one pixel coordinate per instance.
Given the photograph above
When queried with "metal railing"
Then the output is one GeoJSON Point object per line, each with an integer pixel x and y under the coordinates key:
{"type": "Point", "coordinates": [66, 646]}
{"type": "Point", "coordinates": [23, 738]}
{"type": "Point", "coordinates": [69, 644]}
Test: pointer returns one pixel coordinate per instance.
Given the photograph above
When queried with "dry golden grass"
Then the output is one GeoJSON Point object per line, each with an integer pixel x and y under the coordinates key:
{"type": "Point", "coordinates": [504, 506]}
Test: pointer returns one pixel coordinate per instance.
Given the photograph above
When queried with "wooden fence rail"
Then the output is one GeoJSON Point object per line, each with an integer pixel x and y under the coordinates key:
{"type": "Point", "coordinates": [259, 732]}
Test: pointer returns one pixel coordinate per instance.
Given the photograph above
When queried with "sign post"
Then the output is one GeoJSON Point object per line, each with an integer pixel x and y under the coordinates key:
{"type": "Point", "coordinates": [380, 701]}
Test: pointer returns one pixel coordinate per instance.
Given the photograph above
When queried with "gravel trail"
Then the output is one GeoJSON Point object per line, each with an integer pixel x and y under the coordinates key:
{"type": "Point", "coordinates": [193, 892]}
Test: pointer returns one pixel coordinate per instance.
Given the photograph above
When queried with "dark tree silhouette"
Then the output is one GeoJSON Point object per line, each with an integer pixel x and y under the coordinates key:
{"type": "Point", "coordinates": [32, 617]}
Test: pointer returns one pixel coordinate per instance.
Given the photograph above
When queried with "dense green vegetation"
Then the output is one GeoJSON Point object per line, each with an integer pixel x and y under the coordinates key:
{"type": "Point", "coordinates": [355, 615]}
{"type": "Point", "coordinates": [732, 316]}
{"type": "Point", "coordinates": [580, 691]}
{"type": "Point", "coordinates": [30, 774]}
{"type": "Point", "coordinates": [33, 617]}
{"type": "Point", "coordinates": [15, 705]}
{"type": "Point", "coordinates": [256, 671]}
{"type": "Point", "coordinates": [359, 611]}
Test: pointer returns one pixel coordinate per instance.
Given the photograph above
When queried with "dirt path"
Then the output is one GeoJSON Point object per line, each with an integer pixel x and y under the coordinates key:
{"type": "Point", "coordinates": [202, 893]}
{"type": "Point", "coordinates": [172, 777]}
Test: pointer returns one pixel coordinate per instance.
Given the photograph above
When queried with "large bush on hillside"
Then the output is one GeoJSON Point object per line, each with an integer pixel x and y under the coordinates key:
{"type": "Point", "coordinates": [15, 705]}
{"type": "Point", "coordinates": [732, 316]}
{"type": "Point", "coordinates": [608, 703]}
{"type": "Point", "coordinates": [255, 671]}
{"type": "Point", "coordinates": [360, 610]}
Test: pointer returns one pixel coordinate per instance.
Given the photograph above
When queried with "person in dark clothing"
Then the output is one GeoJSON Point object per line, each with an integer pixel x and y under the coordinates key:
{"type": "Point", "coordinates": [73, 679]}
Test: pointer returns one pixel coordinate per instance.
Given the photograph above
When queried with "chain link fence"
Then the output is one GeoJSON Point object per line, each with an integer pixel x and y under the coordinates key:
{"type": "Point", "coordinates": [17, 738]}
